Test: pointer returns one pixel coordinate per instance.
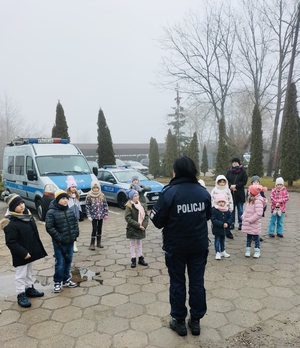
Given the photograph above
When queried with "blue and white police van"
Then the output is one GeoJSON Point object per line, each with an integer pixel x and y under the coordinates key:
{"type": "Point", "coordinates": [35, 168]}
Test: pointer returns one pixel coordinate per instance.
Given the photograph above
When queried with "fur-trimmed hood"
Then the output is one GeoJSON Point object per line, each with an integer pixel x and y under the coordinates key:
{"type": "Point", "coordinates": [3, 223]}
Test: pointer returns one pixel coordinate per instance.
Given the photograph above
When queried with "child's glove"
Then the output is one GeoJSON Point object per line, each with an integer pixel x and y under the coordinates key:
{"type": "Point", "coordinates": [90, 219]}
{"type": "Point", "coordinates": [105, 217]}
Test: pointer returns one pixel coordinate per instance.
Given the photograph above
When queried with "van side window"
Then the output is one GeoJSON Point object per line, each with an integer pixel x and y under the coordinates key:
{"type": "Point", "coordinates": [10, 166]}
{"type": "Point", "coordinates": [30, 164]}
{"type": "Point", "coordinates": [19, 166]}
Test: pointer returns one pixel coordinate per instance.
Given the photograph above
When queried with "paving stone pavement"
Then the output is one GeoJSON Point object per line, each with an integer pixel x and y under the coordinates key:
{"type": "Point", "coordinates": [117, 306]}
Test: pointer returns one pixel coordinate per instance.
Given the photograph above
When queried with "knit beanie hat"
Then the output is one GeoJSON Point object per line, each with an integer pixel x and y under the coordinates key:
{"type": "Point", "coordinates": [236, 159]}
{"type": "Point", "coordinates": [256, 189]}
{"type": "Point", "coordinates": [131, 193]}
{"type": "Point", "coordinates": [135, 177]}
{"type": "Point", "coordinates": [220, 197]}
{"type": "Point", "coordinates": [13, 200]}
{"type": "Point", "coordinates": [255, 177]}
{"type": "Point", "coordinates": [279, 181]}
{"type": "Point", "coordinates": [71, 182]}
{"type": "Point", "coordinates": [60, 194]}
{"type": "Point", "coordinates": [95, 183]}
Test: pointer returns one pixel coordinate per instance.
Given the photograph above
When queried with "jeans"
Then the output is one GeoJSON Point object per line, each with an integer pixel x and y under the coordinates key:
{"type": "Point", "coordinates": [276, 221]}
{"type": "Point", "coordinates": [97, 227]}
{"type": "Point", "coordinates": [195, 264]}
{"type": "Point", "coordinates": [62, 268]}
{"type": "Point", "coordinates": [219, 243]}
{"type": "Point", "coordinates": [239, 206]}
{"type": "Point", "coordinates": [255, 238]}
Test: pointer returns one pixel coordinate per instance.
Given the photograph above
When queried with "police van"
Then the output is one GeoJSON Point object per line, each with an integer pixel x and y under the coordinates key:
{"type": "Point", "coordinates": [35, 168]}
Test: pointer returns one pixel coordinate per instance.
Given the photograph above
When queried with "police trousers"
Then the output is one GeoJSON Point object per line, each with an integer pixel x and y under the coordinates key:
{"type": "Point", "coordinates": [195, 265]}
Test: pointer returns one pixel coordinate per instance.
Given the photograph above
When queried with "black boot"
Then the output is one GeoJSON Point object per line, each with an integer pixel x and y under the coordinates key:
{"type": "Point", "coordinates": [92, 245]}
{"type": "Point", "coordinates": [23, 300]}
{"type": "Point", "coordinates": [142, 261]}
{"type": "Point", "coordinates": [99, 245]}
{"type": "Point", "coordinates": [229, 235]}
{"type": "Point", "coordinates": [133, 262]}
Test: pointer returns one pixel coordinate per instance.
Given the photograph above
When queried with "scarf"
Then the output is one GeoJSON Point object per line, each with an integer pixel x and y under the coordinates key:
{"type": "Point", "coordinates": [222, 209]}
{"type": "Point", "coordinates": [141, 211]}
{"type": "Point", "coordinates": [95, 195]}
{"type": "Point", "coordinates": [26, 216]}
{"type": "Point", "coordinates": [236, 170]}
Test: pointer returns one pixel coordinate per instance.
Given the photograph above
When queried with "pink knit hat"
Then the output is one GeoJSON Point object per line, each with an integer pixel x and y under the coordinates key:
{"type": "Point", "coordinates": [220, 197]}
{"type": "Point", "coordinates": [256, 189]}
{"type": "Point", "coordinates": [71, 182]}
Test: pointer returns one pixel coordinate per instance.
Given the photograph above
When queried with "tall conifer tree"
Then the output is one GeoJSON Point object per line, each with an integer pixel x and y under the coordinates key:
{"type": "Point", "coordinates": [193, 152]}
{"type": "Point", "coordinates": [154, 166]}
{"type": "Point", "coordinates": [60, 128]}
{"type": "Point", "coordinates": [222, 155]}
{"type": "Point", "coordinates": [256, 145]}
{"type": "Point", "coordinates": [289, 154]}
{"type": "Point", "coordinates": [171, 153]}
{"type": "Point", "coordinates": [106, 154]}
{"type": "Point", "coordinates": [204, 163]}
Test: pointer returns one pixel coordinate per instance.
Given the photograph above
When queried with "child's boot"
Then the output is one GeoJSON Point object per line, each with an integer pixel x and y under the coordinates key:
{"type": "Point", "coordinates": [92, 245]}
{"type": "Point", "coordinates": [23, 300]}
{"type": "Point", "coordinates": [142, 261]}
{"type": "Point", "coordinates": [133, 262]}
{"type": "Point", "coordinates": [32, 292]}
{"type": "Point", "coordinates": [99, 245]}
{"type": "Point", "coordinates": [248, 251]}
{"type": "Point", "coordinates": [256, 253]}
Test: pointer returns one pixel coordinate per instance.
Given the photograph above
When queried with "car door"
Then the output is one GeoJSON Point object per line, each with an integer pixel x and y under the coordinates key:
{"type": "Point", "coordinates": [105, 178]}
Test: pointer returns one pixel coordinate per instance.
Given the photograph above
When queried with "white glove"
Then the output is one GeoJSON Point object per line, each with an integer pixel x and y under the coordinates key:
{"type": "Point", "coordinates": [90, 219]}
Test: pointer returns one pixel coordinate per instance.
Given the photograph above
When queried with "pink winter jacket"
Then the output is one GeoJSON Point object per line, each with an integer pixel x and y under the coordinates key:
{"type": "Point", "coordinates": [252, 216]}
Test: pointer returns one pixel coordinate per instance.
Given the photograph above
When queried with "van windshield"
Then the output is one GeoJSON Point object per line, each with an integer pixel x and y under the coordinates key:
{"type": "Point", "coordinates": [62, 165]}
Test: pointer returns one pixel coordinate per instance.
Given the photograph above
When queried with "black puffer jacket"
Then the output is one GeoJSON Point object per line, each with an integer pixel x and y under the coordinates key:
{"type": "Point", "coordinates": [183, 208]}
{"type": "Point", "coordinates": [61, 224]}
{"type": "Point", "coordinates": [22, 237]}
{"type": "Point", "coordinates": [218, 218]}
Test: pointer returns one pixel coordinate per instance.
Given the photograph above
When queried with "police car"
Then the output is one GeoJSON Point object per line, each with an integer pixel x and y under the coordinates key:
{"type": "Point", "coordinates": [114, 182]}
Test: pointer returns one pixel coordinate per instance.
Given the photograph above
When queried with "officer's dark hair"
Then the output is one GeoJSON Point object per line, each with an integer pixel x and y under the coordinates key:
{"type": "Point", "coordinates": [185, 167]}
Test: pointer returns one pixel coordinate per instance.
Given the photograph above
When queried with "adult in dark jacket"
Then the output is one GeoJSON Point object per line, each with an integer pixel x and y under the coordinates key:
{"type": "Point", "coordinates": [62, 225]}
{"type": "Point", "coordinates": [182, 210]}
{"type": "Point", "coordinates": [23, 240]}
{"type": "Point", "coordinates": [237, 180]}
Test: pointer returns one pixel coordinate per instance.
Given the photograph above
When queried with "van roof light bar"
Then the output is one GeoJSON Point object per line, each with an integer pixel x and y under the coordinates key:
{"type": "Point", "coordinates": [23, 141]}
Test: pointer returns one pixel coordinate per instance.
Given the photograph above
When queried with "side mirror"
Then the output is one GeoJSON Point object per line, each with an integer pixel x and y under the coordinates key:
{"type": "Point", "coordinates": [95, 171]}
{"type": "Point", "coordinates": [113, 181]}
{"type": "Point", "coordinates": [31, 175]}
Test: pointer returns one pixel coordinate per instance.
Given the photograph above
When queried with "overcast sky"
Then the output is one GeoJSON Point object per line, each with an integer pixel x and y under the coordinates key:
{"type": "Point", "coordinates": [89, 54]}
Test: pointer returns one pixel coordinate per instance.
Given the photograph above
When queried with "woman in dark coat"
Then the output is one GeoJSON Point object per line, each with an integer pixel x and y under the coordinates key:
{"type": "Point", "coordinates": [237, 180]}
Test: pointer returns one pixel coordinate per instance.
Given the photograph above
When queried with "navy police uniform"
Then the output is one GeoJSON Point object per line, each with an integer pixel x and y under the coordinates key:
{"type": "Point", "coordinates": [183, 208]}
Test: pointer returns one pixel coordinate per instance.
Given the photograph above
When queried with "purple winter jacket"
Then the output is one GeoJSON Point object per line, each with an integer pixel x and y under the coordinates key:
{"type": "Point", "coordinates": [252, 216]}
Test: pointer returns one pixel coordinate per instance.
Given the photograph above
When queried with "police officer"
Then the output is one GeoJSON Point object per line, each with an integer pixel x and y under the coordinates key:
{"type": "Point", "coordinates": [182, 210]}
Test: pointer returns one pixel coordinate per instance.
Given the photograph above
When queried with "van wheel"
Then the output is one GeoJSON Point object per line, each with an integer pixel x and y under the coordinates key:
{"type": "Point", "coordinates": [122, 199]}
{"type": "Point", "coordinates": [40, 210]}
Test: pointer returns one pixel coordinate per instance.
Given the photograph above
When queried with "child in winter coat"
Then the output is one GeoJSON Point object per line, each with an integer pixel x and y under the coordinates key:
{"type": "Point", "coordinates": [96, 211]}
{"type": "Point", "coordinates": [135, 185]}
{"type": "Point", "coordinates": [252, 218]}
{"type": "Point", "coordinates": [221, 219]}
{"type": "Point", "coordinates": [222, 187]}
{"type": "Point", "coordinates": [23, 240]}
{"type": "Point", "coordinates": [279, 197]}
{"type": "Point", "coordinates": [73, 202]}
{"type": "Point", "coordinates": [62, 225]}
{"type": "Point", "coordinates": [137, 218]}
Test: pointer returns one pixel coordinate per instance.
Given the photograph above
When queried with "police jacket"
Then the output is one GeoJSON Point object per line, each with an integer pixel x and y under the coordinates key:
{"type": "Point", "coordinates": [61, 223]}
{"type": "Point", "coordinates": [182, 210]}
{"type": "Point", "coordinates": [22, 237]}
{"type": "Point", "coordinates": [218, 219]}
